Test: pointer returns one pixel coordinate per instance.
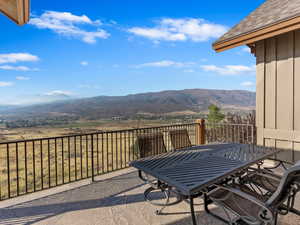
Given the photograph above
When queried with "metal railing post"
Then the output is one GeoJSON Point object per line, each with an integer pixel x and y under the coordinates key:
{"type": "Point", "coordinates": [200, 132]}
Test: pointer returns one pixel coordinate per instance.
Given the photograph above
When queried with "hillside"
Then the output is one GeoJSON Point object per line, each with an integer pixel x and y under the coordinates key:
{"type": "Point", "coordinates": [165, 102]}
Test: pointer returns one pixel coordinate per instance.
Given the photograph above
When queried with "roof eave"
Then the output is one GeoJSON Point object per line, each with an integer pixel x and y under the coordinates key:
{"type": "Point", "coordinates": [22, 8]}
{"type": "Point", "coordinates": [257, 35]}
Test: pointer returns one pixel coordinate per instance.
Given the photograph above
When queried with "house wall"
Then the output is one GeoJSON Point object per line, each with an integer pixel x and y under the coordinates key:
{"type": "Point", "coordinates": [278, 93]}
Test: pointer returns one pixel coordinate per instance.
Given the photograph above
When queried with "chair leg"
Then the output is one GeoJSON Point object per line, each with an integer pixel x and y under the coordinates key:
{"type": "Point", "coordinates": [295, 211]}
{"type": "Point", "coordinates": [167, 194]}
{"type": "Point", "coordinates": [276, 219]}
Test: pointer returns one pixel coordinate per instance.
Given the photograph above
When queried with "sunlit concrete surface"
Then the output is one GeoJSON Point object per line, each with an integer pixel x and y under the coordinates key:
{"type": "Point", "coordinates": [115, 199]}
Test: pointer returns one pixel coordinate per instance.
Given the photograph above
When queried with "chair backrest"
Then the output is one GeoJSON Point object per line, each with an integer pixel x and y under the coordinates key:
{"type": "Point", "coordinates": [151, 144]}
{"type": "Point", "coordinates": [180, 139]}
{"type": "Point", "coordinates": [289, 178]}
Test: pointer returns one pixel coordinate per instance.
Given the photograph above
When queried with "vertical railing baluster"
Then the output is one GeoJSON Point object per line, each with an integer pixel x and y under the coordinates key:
{"type": "Point", "coordinates": [125, 148]}
{"type": "Point", "coordinates": [117, 153]}
{"type": "Point", "coordinates": [33, 159]}
{"type": "Point", "coordinates": [252, 134]}
{"type": "Point", "coordinates": [8, 170]}
{"type": "Point", "coordinates": [121, 150]}
{"type": "Point", "coordinates": [129, 143]}
{"type": "Point", "coordinates": [69, 158]}
{"type": "Point", "coordinates": [42, 164]}
{"type": "Point", "coordinates": [134, 134]}
{"type": "Point", "coordinates": [55, 148]}
{"type": "Point", "coordinates": [49, 165]}
{"type": "Point", "coordinates": [25, 167]}
{"type": "Point", "coordinates": [227, 133]}
{"type": "Point", "coordinates": [17, 168]}
{"type": "Point", "coordinates": [75, 155]}
{"type": "Point", "coordinates": [102, 152]}
{"type": "Point", "coordinates": [63, 160]}
{"type": "Point", "coordinates": [107, 160]}
{"type": "Point", "coordinates": [93, 166]}
{"type": "Point", "coordinates": [87, 155]}
{"type": "Point", "coordinates": [238, 133]}
{"type": "Point", "coordinates": [98, 158]}
{"type": "Point", "coordinates": [81, 168]}
{"type": "Point", "coordinates": [112, 149]}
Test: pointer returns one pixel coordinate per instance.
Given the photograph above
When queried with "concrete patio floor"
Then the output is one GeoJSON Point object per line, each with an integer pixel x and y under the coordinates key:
{"type": "Point", "coordinates": [114, 199]}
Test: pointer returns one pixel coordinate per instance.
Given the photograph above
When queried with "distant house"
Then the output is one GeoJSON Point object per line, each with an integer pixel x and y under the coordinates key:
{"type": "Point", "coordinates": [272, 32]}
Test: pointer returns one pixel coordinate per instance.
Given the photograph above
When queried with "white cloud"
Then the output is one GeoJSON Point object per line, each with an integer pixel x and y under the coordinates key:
{"type": "Point", "coordinates": [22, 78]}
{"type": "Point", "coordinates": [187, 29]}
{"type": "Point", "coordinates": [6, 84]}
{"type": "Point", "coordinates": [68, 24]}
{"type": "Point", "coordinates": [15, 68]}
{"type": "Point", "coordinates": [248, 84]}
{"type": "Point", "coordinates": [17, 57]}
{"type": "Point", "coordinates": [229, 69]}
{"type": "Point", "coordinates": [246, 49]}
{"type": "Point", "coordinates": [165, 63]}
{"type": "Point", "coordinates": [84, 63]}
{"type": "Point", "coordinates": [59, 93]}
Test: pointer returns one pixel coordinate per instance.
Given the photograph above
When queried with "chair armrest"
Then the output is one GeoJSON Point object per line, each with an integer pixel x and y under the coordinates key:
{"type": "Point", "coordinates": [265, 173]}
{"type": "Point", "coordinates": [280, 163]}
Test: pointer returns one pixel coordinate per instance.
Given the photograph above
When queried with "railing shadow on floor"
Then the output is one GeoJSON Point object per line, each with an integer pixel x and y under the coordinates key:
{"type": "Point", "coordinates": [46, 207]}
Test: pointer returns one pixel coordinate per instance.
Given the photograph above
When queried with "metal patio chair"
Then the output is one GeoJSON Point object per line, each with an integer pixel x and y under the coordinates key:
{"type": "Point", "coordinates": [150, 145]}
{"type": "Point", "coordinates": [250, 207]}
{"type": "Point", "coordinates": [266, 183]}
{"type": "Point", "coordinates": [180, 139]}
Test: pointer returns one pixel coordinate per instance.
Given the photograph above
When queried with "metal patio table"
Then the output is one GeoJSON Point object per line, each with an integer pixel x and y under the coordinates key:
{"type": "Point", "coordinates": [194, 171]}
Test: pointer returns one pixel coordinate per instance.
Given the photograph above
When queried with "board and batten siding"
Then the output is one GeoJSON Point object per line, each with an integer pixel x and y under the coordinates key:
{"type": "Point", "coordinates": [278, 94]}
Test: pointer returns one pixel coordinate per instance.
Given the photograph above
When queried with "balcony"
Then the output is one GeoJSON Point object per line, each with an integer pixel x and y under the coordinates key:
{"type": "Point", "coordinates": [85, 179]}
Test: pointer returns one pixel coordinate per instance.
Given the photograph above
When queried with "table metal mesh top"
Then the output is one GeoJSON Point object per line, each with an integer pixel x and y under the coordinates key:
{"type": "Point", "coordinates": [191, 170]}
{"type": "Point", "coordinates": [170, 158]}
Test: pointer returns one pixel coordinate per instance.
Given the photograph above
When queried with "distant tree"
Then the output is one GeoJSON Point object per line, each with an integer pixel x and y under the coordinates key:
{"type": "Point", "coordinates": [215, 114]}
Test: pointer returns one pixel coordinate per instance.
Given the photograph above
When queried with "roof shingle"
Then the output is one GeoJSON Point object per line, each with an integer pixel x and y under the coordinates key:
{"type": "Point", "coordinates": [269, 13]}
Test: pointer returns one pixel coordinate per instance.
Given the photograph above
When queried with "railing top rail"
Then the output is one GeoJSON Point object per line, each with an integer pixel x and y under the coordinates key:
{"type": "Point", "coordinates": [95, 133]}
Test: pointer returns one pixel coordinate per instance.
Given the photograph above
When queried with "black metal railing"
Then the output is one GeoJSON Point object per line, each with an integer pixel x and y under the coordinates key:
{"type": "Point", "coordinates": [230, 133]}
{"type": "Point", "coordinates": [28, 166]}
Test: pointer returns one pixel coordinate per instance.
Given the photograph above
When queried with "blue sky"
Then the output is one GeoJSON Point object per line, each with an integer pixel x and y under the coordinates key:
{"type": "Point", "coordinates": [71, 49]}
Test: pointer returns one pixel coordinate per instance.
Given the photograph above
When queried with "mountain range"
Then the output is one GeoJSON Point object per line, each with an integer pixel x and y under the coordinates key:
{"type": "Point", "coordinates": [153, 103]}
